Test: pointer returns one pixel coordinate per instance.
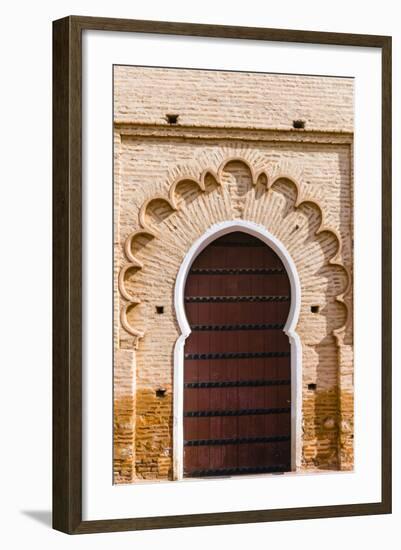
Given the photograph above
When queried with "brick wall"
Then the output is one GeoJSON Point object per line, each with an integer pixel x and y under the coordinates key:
{"type": "Point", "coordinates": [234, 154]}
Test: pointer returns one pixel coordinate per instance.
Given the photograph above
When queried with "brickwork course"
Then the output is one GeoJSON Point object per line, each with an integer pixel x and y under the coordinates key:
{"type": "Point", "coordinates": [233, 153]}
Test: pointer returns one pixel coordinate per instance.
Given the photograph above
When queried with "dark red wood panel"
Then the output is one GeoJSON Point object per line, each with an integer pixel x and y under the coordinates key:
{"type": "Point", "coordinates": [237, 383]}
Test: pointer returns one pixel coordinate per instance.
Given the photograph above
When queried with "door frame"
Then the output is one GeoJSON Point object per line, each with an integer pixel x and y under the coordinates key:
{"type": "Point", "coordinates": [214, 232]}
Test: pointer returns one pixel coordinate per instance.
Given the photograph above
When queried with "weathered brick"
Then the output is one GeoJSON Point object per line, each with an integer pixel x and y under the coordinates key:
{"type": "Point", "coordinates": [225, 116]}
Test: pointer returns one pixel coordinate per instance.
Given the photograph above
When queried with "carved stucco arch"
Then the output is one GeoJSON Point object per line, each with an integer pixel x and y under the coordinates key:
{"type": "Point", "coordinates": [169, 201]}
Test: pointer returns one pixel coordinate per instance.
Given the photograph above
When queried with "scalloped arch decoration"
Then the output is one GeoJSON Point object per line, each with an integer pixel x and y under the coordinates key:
{"type": "Point", "coordinates": [143, 212]}
{"type": "Point", "coordinates": [172, 190]}
{"type": "Point", "coordinates": [272, 176]}
{"type": "Point", "coordinates": [129, 243]}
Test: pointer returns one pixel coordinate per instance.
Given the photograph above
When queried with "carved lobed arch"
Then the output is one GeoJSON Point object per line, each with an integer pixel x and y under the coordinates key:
{"type": "Point", "coordinates": [168, 204]}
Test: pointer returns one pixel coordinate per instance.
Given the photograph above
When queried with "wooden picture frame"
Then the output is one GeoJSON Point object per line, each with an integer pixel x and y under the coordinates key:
{"type": "Point", "coordinates": [67, 274]}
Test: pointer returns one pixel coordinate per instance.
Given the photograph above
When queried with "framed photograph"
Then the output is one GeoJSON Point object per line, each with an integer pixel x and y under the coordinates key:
{"type": "Point", "coordinates": [222, 275]}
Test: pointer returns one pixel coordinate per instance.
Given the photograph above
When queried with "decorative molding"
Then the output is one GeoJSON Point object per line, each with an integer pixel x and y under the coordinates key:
{"type": "Point", "coordinates": [126, 325]}
{"type": "Point", "coordinates": [128, 129]}
{"type": "Point", "coordinates": [200, 184]}
{"type": "Point", "coordinates": [273, 176]}
{"type": "Point", "coordinates": [144, 208]}
{"type": "Point", "coordinates": [129, 243]}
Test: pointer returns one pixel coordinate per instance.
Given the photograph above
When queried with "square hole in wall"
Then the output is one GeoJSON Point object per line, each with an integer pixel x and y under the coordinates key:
{"type": "Point", "coordinates": [159, 310]}
{"type": "Point", "coordinates": [315, 309]}
{"type": "Point", "coordinates": [172, 118]}
{"type": "Point", "coordinates": [299, 124]}
{"type": "Point", "coordinates": [312, 387]}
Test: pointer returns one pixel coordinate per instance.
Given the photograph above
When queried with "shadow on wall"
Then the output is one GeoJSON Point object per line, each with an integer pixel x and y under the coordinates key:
{"type": "Point", "coordinates": [40, 516]}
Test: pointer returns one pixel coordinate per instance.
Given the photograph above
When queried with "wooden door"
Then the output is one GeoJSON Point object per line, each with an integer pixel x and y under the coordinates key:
{"type": "Point", "coordinates": [237, 385]}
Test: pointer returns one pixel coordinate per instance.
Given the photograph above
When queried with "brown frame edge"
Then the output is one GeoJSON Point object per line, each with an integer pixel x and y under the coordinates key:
{"type": "Point", "coordinates": [67, 279]}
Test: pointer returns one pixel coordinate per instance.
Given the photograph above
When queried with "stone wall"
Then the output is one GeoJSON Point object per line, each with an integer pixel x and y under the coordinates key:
{"type": "Point", "coordinates": [233, 154]}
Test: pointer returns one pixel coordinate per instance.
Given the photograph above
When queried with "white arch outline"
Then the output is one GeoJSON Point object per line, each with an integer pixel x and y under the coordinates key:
{"type": "Point", "coordinates": [214, 232]}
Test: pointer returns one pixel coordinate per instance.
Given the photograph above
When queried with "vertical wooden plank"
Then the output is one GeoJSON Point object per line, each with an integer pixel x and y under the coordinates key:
{"type": "Point", "coordinates": [67, 314]}
{"type": "Point", "coordinates": [386, 272]}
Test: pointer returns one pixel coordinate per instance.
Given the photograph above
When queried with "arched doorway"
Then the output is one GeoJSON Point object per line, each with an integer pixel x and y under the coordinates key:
{"type": "Point", "coordinates": [237, 413]}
